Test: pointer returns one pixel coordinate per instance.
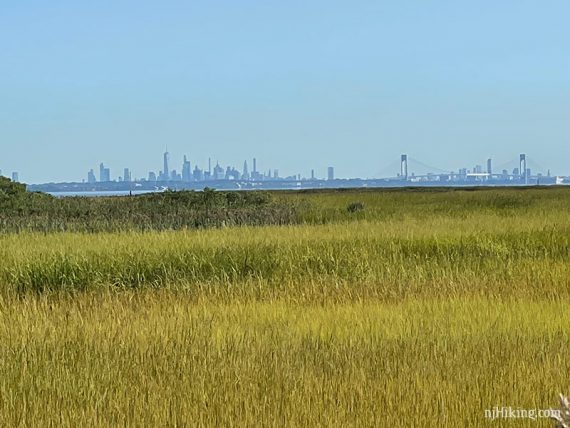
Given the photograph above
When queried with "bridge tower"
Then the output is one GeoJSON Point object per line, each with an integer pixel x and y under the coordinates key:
{"type": "Point", "coordinates": [522, 168]}
{"type": "Point", "coordinates": [404, 167]}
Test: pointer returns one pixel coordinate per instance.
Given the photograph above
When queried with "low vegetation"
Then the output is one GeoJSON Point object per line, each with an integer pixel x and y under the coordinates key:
{"type": "Point", "coordinates": [425, 308]}
{"type": "Point", "coordinates": [24, 211]}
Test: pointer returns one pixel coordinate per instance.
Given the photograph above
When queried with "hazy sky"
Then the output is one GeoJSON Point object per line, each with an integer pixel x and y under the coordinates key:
{"type": "Point", "coordinates": [298, 84]}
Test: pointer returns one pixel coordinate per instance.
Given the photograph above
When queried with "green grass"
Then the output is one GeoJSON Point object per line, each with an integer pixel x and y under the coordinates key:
{"type": "Point", "coordinates": [423, 309]}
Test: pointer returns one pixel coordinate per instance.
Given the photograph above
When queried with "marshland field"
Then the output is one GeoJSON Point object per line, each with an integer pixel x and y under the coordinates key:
{"type": "Point", "coordinates": [410, 307]}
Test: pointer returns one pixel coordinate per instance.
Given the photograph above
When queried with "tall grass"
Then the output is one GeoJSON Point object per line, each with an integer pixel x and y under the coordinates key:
{"type": "Point", "coordinates": [386, 259]}
{"type": "Point", "coordinates": [158, 358]}
{"type": "Point", "coordinates": [422, 309]}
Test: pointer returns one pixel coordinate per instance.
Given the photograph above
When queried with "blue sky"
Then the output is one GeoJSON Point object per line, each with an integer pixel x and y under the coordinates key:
{"type": "Point", "coordinates": [298, 84]}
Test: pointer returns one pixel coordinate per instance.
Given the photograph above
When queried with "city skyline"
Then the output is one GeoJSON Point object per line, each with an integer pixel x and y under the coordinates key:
{"type": "Point", "coordinates": [407, 168]}
{"type": "Point", "coordinates": [301, 85]}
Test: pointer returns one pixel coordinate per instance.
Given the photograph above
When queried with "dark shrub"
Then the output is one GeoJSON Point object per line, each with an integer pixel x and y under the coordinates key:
{"type": "Point", "coordinates": [354, 207]}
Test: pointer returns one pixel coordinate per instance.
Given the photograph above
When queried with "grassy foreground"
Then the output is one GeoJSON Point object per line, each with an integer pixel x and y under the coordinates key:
{"type": "Point", "coordinates": [159, 357]}
{"type": "Point", "coordinates": [423, 309]}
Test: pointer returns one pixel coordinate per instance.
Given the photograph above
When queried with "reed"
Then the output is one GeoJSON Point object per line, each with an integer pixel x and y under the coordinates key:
{"type": "Point", "coordinates": [418, 309]}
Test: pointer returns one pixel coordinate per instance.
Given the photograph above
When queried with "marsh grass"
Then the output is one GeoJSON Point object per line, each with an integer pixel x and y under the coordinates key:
{"type": "Point", "coordinates": [424, 309]}
{"type": "Point", "coordinates": [147, 357]}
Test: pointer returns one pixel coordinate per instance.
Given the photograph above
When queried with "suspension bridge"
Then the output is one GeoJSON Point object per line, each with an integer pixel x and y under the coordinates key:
{"type": "Point", "coordinates": [522, 170]}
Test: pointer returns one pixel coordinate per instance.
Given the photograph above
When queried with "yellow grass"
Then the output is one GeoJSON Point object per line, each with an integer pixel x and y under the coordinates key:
{"type": "Point", "coordinates": [398, 320]}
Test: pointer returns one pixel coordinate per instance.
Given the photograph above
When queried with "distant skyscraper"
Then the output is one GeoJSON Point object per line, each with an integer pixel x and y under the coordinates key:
{"type": "Point", "coordinates": [104, 173]}
{"type": "Point", "coordinates": [255, 175]}
{"type": "Point", "coordinates": [198, 174]}
{"type": "Point", "coordinates": [15, 177]}
{"type": "Point", "coordinates": [312, 174]}
{"type": "Point", "coordinates": [151, 176]}
{"type": "Point", "coordinates": [245, 175]}
{"type": "Point", "coordinates": [522, 167]}
{"type": "Point", "coordinates": [91, 177]}
{"type": "Point", "coordinates": [127, 175]}
{"type": "Point", "coordinates": [186, 171]}
{"type": "Point", "coordinates": [330, 173]}
{"type": "Point", "coordinates": [489, 166]}
{"type": "Point", "coordinates": [218, 172]}
{"type": "Point", "coordinates": [174, 176]}
{"type": "Point", "coordinates": [165, 169]}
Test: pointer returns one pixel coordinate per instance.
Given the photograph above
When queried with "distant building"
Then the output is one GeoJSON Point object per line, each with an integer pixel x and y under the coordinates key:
{"type": "Point", "coordinates": [151, 176]}
{"type": "Point", "coordinates": [186, 170]}
{"type": "Point", "coordinates": [232, 174]}
{"type": "Point", "coordinates": [245, 175]}
{"type": "Point", "coordinates": [91, 177]}
{"type": "Point", "coordinates": [127, 175]}
{"type": "Point", "coordinates": [198, 174]}
{"type": "Point", "coordinates": [255, 174]}
{"type": "Point", "coordinates": [104, 173]}
{"type": "Point", "coordinates": [330, 173]}
{"type": "Point", "coordinates": [15, 177]}
{"type": "Point", "coordinates": [174, 176]}
{"type": "Point", "coordinates": [164, 176]}
{"type": "Point", "coordinates": [218, 172]}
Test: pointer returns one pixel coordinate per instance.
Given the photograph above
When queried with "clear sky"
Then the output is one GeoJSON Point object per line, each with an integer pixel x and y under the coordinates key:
{"type": "Point", "coordinates": [298, 84]}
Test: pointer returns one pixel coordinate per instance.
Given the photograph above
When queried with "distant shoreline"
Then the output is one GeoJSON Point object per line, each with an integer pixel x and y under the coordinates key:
{"type": "Point", "coordinates": [121, 188]}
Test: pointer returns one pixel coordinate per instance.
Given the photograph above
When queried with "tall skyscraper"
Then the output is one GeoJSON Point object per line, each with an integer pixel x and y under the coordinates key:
{"type": "Point", "coordinates": [489, 166]}
{"type": "Point", "coordinates": [186, 171]}
{"type": "Point", "coordinates": [127, 175]}
{"type": "Point", "coordinates": [330, 173]}
{"type": "Point", "coordinates": [165, 174]}
{"type": "Point", "coordinates": [198, 174]}
{"type": "Point", "coordinates": [104, 173]}
{"type": "Point", "coordinates": [218, 172]}
{"type": "Point", "coordinates": [522, 167]}
{"type": "Point", "coordinates": [245, 175]}
{"type": "Point", "coordinates": [91, 177]}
